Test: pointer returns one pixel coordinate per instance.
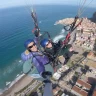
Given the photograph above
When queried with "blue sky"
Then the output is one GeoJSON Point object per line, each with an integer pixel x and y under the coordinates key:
{"type": "Point", "coordinates": [12, 3]}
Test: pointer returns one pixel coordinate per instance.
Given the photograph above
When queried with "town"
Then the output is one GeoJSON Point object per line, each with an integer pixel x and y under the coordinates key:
{"type": "Point", "coordinates": [78, 76]}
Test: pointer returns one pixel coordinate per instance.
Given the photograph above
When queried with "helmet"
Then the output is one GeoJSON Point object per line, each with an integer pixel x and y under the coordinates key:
{"type": "Point", "coordinates": [44, 42]}
{"type": "Point", "coordinates": [28, 42]}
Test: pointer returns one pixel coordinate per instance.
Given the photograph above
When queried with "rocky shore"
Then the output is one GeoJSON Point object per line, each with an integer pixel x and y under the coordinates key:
{"type": "Point", "coordinates": [86, 24]}
{"type": "Point", "coordinates": [93, 18]}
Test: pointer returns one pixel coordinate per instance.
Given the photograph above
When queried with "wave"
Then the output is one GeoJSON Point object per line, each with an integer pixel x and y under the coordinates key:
{"type": "Point", "coordinates": [60, 36]}
{"type": "Point", "coordinates": [12, 47]}
{"type": "Point", "coordinates": [55, 24]}
{"type": "Point", "coordinates": [35, 75]}
{"type": "Point", "coordinates": [40, 21]}
{"type": "Point", "coordinates": [1, 91]}
{"type": "Point", "coordinates": [11, 68]}
{"type": "Point", "coordinates": [10, 84]}
{"type": "Point", "coordinates": [62, 31]}
{"type": "Point", "coordinates": [7, 83]}
{"type": "Point", "coordinates": [16, 80]}
{"type": "Point", "coordinates": [17, 75]}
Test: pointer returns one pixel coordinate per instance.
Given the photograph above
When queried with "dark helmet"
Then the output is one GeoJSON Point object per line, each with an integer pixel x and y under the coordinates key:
{"type": "Point", "coordinates": [28, 42]}
{"type": "Point", "coordinates": [44, 42]}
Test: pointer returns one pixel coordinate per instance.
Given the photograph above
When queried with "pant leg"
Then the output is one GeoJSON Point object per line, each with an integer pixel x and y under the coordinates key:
{"type": "Point", "coordinates": [48, 67]}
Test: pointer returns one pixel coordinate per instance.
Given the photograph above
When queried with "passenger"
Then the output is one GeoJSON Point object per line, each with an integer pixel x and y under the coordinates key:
{"type": "Point", "coordinates": [39, 60]}
{"type": "Point", "coordinates": [52, 50]}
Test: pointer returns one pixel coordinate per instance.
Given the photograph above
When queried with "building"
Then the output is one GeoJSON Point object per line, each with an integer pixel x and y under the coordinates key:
{"type": "Point", "coordinates": [81, 88]}
{"type": "Point", "coordinates": [33, 94]}
{"type": "Point", "coordinates": [62, 69]}
{"type": "Point", "coordinates": [83, 84]}
{"type": "Point", "coordinates": [79, 70]}
{"type": "Point", "coordinates": [55, 92]}
{"type": "Point", "coordinates": [78, 91]}
{"type": "Point", "coordinates": [91, 56]}
{"type": "Point", "coordinates": [56, 76]}
{"type": "Point", "coordinates": [85, 39]}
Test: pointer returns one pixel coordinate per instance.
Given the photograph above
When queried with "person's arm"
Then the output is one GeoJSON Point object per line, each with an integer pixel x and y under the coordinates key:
{"type": "Point", "coordinates": [41, 69]}
{"type": "Point", "coordinates": [26, 55]}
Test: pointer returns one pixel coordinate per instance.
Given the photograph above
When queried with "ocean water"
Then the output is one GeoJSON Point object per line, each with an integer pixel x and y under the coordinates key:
{"type": "Point", "coordinates": [16, 26]}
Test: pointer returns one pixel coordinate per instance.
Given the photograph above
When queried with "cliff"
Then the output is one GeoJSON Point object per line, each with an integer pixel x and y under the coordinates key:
{"type": "Point", "coordinates": [93, 19]}
{"type": "Point", "coordinates": [86, 24]}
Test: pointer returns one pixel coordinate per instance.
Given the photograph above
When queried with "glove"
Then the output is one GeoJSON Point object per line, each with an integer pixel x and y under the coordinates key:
{"type": "Point", "coordinates": [60, 43]}
{"type": "Point", "coordinates": [46, 74]}
{"type": "Point", "coordinates": [36, 33]}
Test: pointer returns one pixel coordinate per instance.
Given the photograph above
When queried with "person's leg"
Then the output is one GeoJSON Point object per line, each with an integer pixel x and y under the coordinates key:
{"type": "Point", "coordinates": [49, 68]}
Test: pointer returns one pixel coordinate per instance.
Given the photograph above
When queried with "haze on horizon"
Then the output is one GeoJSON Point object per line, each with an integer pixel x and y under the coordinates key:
{"type": "Point", "coordinates": [14, 3]}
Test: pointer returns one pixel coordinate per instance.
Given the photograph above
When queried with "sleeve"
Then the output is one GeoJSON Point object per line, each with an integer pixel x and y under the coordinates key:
{"type": "Point", "coordinates": [25, 56]}
{"type": "Point", "coordinates": [39, 66]}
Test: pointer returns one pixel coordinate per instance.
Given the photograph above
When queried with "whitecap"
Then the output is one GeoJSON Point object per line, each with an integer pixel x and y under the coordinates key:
{"type": "Point", "coordinates": [35, 75]}
{"type": "Point", "coordinates": [57, 38]}
{"type": "Point", "coordinates": [20, 61]}
{"type": "Point", "coordinates": [18, 75]}
{"type": "Point", "coordinates": [55, 24]}
{"type": "Point", "coordinates": [1, 91]}
{"type": "Point", "coordinates": [62, 31]}
{"type": "Point", "coordinates": [12, 47]}
{"type": "Point", "coordinates": [40, 21]}
{"type": "Point", "coordinates": [7, 83]}
{"type": "Point", "coordinates": [16, 79]}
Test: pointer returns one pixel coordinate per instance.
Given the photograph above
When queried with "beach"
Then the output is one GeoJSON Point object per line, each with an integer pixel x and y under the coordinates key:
{"type": "Point", "coordinates": [20, 84]}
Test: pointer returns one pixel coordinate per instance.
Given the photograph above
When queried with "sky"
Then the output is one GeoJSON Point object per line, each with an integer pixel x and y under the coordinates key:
{"type": "Point", "coordinates": [13, 3]}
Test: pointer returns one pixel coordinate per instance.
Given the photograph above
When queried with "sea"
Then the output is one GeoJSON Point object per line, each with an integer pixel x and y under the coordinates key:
{"type": "Point", "coordinates": [16, 26]}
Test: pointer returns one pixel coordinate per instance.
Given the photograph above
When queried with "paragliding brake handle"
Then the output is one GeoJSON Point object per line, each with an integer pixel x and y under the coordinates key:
{"type": "Point", "coordinates": [47, 74]}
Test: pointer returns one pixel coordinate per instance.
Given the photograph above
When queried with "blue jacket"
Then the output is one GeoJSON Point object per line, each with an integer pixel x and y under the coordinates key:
{"type": "Point", "coordinates": [38, 59]}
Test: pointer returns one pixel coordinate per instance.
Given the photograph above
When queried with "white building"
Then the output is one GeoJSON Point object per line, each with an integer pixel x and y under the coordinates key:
{"type": "Point", "coordinates": [56, 76]}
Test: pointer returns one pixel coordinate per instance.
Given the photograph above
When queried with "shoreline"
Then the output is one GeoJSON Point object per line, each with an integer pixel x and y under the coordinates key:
{"type": "Point", "coordinates": [22, 80]}
{"type": "Point", "coordinates": [17, 85]}
{"type": "Point", "coordinates": [12, 84]}
{"type": "Point", "coordinates": [86, 24]}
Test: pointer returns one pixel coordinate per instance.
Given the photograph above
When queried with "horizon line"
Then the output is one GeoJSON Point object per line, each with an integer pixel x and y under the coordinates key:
{"type": "Point", "coordinates": [43, 5]}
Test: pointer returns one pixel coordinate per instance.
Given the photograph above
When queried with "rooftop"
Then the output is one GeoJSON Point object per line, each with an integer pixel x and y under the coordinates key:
{"type": "Point", "coordinates": [80, 91]}
{"type": "Point", "coordinates": [83, 83]}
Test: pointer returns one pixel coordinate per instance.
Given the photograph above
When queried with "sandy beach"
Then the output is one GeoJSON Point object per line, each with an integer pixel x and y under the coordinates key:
{"type": "Point", "coordinates": [25, 80]}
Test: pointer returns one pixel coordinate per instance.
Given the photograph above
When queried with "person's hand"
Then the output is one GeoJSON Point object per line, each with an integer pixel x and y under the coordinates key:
{"type": "Point", "coordinates": [36, 33]}
{"type": "Point", "coordinates": [46, 74]}
{"type": "Point", "coordinates": [71, 49]}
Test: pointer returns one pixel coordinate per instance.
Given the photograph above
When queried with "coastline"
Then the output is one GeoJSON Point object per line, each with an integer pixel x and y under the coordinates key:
{"type": "Point", "coordinates": [23, 80]}
{"type": "Point", "coordinates": [17, 85]}
{"type": "Point", "coordinates": [86, 24]}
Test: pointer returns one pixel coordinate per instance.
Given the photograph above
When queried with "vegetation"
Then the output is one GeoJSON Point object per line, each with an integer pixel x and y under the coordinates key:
{"type": "Point", "coordinates": [34, 90]}
{"type": "Point", "coordinates": [60, 93]}
{"type": "Point", "coordinates": [70, 63]}
{"type": "Point", "coordinates": [53, 79]}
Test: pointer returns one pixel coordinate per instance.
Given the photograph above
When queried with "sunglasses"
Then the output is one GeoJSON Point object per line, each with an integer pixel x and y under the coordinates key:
{"type": "Point", "coordinates": [31, 46]}
{"type": "Point", "coordinates": [48, 43]}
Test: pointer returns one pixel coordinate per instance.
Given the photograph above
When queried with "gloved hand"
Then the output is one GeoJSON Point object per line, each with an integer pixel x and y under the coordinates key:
{"type": "Point", "coordinates": [46, 74]}
{"type": "Point", "coordinates": [60, 43]}
{"type": "Point", "coordinates": [36, 33]}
